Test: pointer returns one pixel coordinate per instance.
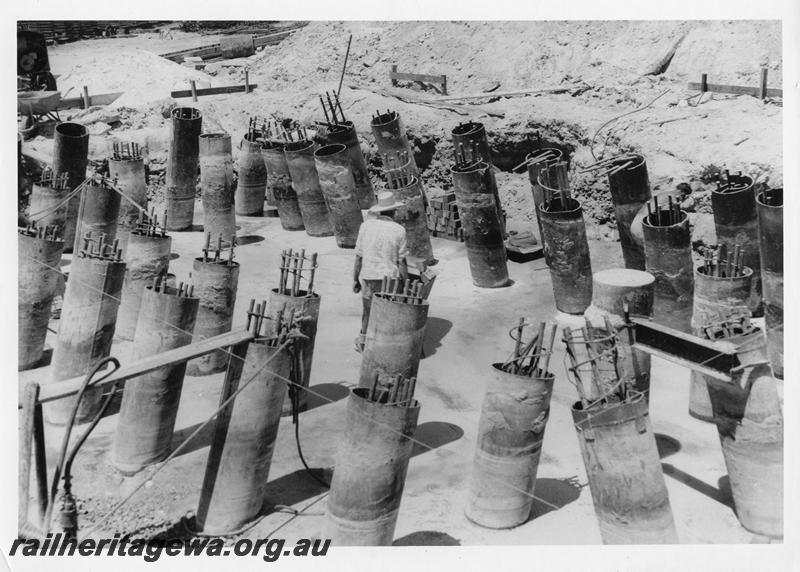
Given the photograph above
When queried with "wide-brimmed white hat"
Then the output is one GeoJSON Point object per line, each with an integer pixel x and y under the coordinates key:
{"type": "Point", "coordinates": [386, 202]}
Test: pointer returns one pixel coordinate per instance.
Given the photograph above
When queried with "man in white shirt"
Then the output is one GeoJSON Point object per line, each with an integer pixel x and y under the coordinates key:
{"type": "Point", "coordinates": [381, 250]}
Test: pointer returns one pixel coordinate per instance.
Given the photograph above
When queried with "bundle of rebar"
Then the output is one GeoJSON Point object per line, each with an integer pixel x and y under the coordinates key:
{"type": "Point", "coordinates": [292, 263]}
{"type": "Point", "coordinates": [398, 169]}
{"type": "Point", "coordinates": [597, 346]}
{"type": "Point", "coordinates": [184, 290]}
{"type": "Point", "coordinates": [99, 248]}
{"type": "Point", "coordinates": [526, 359]}
{"type": "Point", "coordinates": [398, 290]}
{"type": "Point", "coordinates": [218, 252]}
{"type": "Point", "coordinates": [723, 263]}
{"type": "Point", "coordinates": [536, 157]}
{"type": "Point", "coordinates": [612, 165]}
{"type": "Point", "coordinates": [126, 151]}
{"type": "Point", "coordinates": [658, 216]}
{"type": "Point", "coordinates": [276, 334]}
{"type": "Point", "coordinates": [147, 225]}
{"type": "Point", "coordinates": [332, 118]}
{"type": "Point", "coordinates": [379, 117]}
{"type": "Point", "coordinates": [254, 133]}
{"type": "Point", "coordinates": [466, 159]}
{"type": "Point", "coordinates": [272, 131]}
{"type": "Point", "coordinates": [400, 391]}
{"type": "Point", "coordinates": [555, 186]}
{"type": "Point", "coordinates": [53, 180]}
{"type": "Point", "coordinates": [732, 183]}
{"type": "Point", "coordinates": [48, 232]}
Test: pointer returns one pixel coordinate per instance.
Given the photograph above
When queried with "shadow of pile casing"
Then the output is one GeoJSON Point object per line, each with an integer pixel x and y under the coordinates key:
{"type": "Point", "coordinates": [770, 231]}
{"type": "Point", "coordinates": [624, 471]}
{"type": "Point", "coordinates": [279, 183]}
{"type": "Point", "coordinates": [370, 471]}
{"type": "Point", "coordinates": [564, 234]}
{"type": "Point", "coordinates": [71, 156]}
{"type": "Point", "coordinates": [736, 222]}
{"type": "Point", "coordinates": [150, 402]}
{"type": "Point", "coordinates": [668, 257]}
{"type": "Point", "coordinates": [38, 282]}
{"type": "Point", "coordinates": [86, 330]}
{"type": "Point", "coordinates": [182, 164]}
{"type": "Point", "coordinates": [536, 189]}
{"type": "Point", "coordinates": [611, 289]}
{"type": "Point", "coordinates": [482, 225]}
{"type": "Point", "coordinates": [394, 338]}
{"type": "Point", "coordinates": [390, 138]}
{"type": "Point", "coordinates": [345, 134]}
{"type": "Point", "coordinates": [305, 181]}
{"type": "Point", "coordinates": [338, 188]}
{"type": "Point", "coordinates": [413, 218]}
{"type": "Point", "coordinates": [147, 257]}
{"type": "Point", "coordinates": [251, 188]}
{"type": "Point", "coordinates": [308, 307]}
{"type": "Point", "coordinates": [98, 213]}
{"type": "Point", "coordinates": [749, 420]}
{"type": "Point", "coordinates": [237, 472]}
{"type": "Point", "coordinates": [129, 175]}
{"type": "Point", "coordinates": [473, 133]}
{"type": "Point", "coordinates": [716, 299]}
{"type": "Point", "coordinates": [510, 435]}
{"type": "Point", "coordinates": [216, 185]}
{"type": "Point", "coordinates": [630, 190]}
{"type": "Point", "coordinates": [215, 283]}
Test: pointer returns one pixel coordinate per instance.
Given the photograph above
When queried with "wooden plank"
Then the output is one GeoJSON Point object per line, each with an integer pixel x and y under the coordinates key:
{"type": "Point", "coordinates": [735, 89]}
{"type": "Point", "coordinates": [69, 387]}
{"type": "Point", "coordinates": [102, 99]}
{"type": "Point", "coordinates": [209, 50]}
{"type": "Point", "coordinates": [417, 77]}
{"type": "Point", "coordinates": [275, 38]}
{"type": "Point", "coordinates": [213, 90]}
{"type": "Point", "coordinates": [408, 98]}
{"type": "Point", "coordinates": [558, 89]}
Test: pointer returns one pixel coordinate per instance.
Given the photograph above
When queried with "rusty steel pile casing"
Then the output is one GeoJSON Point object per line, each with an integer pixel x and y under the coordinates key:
{"type": "Point", "coordinates": [534, 170]}
{"type": "Point", "coordinates": [564, 234]}
{"type": "Point", "coordinates": [129, 175]}
{"type": "Point", "coordinates": [749, 420]}
{"type": "Point", "coordinates": [370, 471]}
{"type": "Point", "coordinates": [345, 134]}
{"type": "Point", "coordinates": [86, 330]}
{"type": "Point", "coordinates": [510, 436]}
{"type": "Point", "coordinates": [251, 187]}
{"type": "Point", "coordinates": [390, 137]}
{"type": "Point", "coordinates": [150, 402]}
{"type": "Point", "coordinates": [71, 156]}
{"type": "Point", "coordinates": [716, 299]}
{"type": "Point", "coordinates": [338, 188]}
{"type": "Point", "coordinates": [215, 283]}
{"type": "Point", "coordinates": [630, 190]}
{"type": "Point", "coordinates": [482, 224]}
{"type": "Point", "coordinates": [413, 218]}
{"type": "Point", "coordinates": [39, 278]}
{"type": "Point", "coordinates": [216, 185]}
{"type": "Point", "coordinates": [98, 212]}
{"type": "Point", "coordinates": [44, 199]}
{"type": "Point", "coordinates": [305, 181]}
{"type": "Point", "coordinates": [394, 338]}
{"type": "Point", "coordinates": [668, 257]}
{"type": "Point", "coordinates": [279, 183]}
{"type": "Point", "coordinates": [182, 164]}
{"type": "Point", "coordinates": [769, 205]}
{"type": "Point", "coordinates": [624, 471]}
{"type": "Point", "coordinates": [736, 223]}
{"type": "Point", "coordinates": [308, 307]}
{"type": "Point", "coordinates": [471, 139]}
{"type": "Point", "coordinates": [235, 484]}
{"type": "Point", "coordinates": [147, 257]}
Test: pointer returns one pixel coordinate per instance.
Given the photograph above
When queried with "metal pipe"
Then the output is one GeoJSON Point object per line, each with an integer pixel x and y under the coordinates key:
{"type": "Point", "coordinates": [630, 190]}
{"type": "Point", "coordinates": [471, 136]}
{"type": "Point", "coordinates": [345, 134]}
{"type": "Point", "coordinates": [98, 212]}
{"type": "Point", "coordinates": [216, 184]}
{"type": "Point", "coordinates": [769, 206]}
{"type": "Point", "coordinates": [128, 175]}
{"type": "Point", "coordinates": [71, 156]}
{"type": "Point", "coordinates": [305, 181]}
{"type": "Point", "coordinates": [279, 181]}
{"type": "Point", "coordinates": [182, 167]}
{"type": "Point", "coordinates": [390, 137]}
{"type": "Point", "coordinates": [251, 187]}
{"type": "Point", "coordinates": [412, 217]}
{"type": "Point", "coordinates": [534, 169]}
{"type": "Point", "coordinates": [338, 188]}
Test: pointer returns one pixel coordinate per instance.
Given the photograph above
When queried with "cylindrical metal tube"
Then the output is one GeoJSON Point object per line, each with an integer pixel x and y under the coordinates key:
{"type": "Point", "coordinates": [279, 182]}
{"type": "Point", "coordinates": [338, 188]}
{"type": "Point", "coordinates": [624, 472]}
{"type": "Point", "coordinates": [86, 330]}
{"type": "Point", "coordinates": [668, 257]}
{"type": "Point", "coordinates": [482, 225]}
{"type": "Point", "coordinates": [129, 176]}
{"type": "Point", "coordinates": [412, 216]}
{"type": "Point", "coordinates": [564, 233]}
{"type": "Point", "coordinates": [390, 137]}
{"type": "Point", "coordinates": [38, 280]}
{"type": "Point", "coordinates": [98, 212]}
{"type": "Point", "coordinates": [510, 435]}
{"type": "Point", "coordinates": [237, 472]}
{"type": "Point", "coordinates": [534, 169]}
{"type": "Point", "coordinates": [216, 185]}
{"type": "Point", "coordinates": [370, 471]}
{"type": "Point", "coordinates": [147, 257]}
{"type": "Point", "coordinates": [187, 123]}
{"type": "Point", "coordinates": [308, 307]}
{"type": "Point", "coordinates": [305, 181]}
{"type": "Point", "coordinates": [71, 156]}
{"type": "Point", "coordinates": [736, 223]}
{"type": "Point", "coordinates": [769, 205]}
{"type": "Point", "coordinates": [215, 284]}
{"type": "Point", "coordinates": [716, 299]}
{"type": "Point", "coordinates": [345, 134]}
{"type": "Point", "coordinates": [630, 190]}
{"type": "Point", "coordinates": [150, 402]}
{"type": "Point", "coordinates": [394, 339]}
{"type": "Point", "coordinates": [471, 140]}
{"type": "Point", "coordinates": [251, 187]}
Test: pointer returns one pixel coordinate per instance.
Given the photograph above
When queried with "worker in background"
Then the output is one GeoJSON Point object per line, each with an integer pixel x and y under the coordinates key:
{"type": "Point", "coordinates": [381, 250]}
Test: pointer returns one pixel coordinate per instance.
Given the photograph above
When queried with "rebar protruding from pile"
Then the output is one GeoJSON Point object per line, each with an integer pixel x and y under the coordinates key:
{"type": "Point", "coordinates": [727, 183]}
{"type": "Point", "coordinates": [398, 168]}
{"type": "Point", "coordinates": [55, 181]}
{"type": "Point", "coordinates": [332, 116]}
{"type": "Point", "coordinates": [126, 151]}
{"type": "Point", "coordinates": [400, 391]}
{"type": "Point", "coordinates": [724, 263]}
{"type": "Point", "coordinates": [612, 165]}
{"type": "Point", "coordinates": [98, 248]}
{"type": "Point", "coordinates": [293, 263]}
{"type": "Point", "coordinates": [399, 290]}
{"type": "Point", "coordinates": [183, 290]}
{"type": "Point", "coordinates": [466, 157]}
{"type": "Point", "coordinates": [273, 131]}
{"type": "Point", "coordinates": [526, 359]}
{"type": "Point", "coordinates": [734, 327]}
{"type": "Point", "coordinates": [219, 250]}
{"type": "Point", "coordinates": [147, 224]}
{"type": "Point", "coordinates": [536, 157]}
{"type": "Point", "coordinates": [596, 346]}
{"type": "Point", "coordinates": [279, 332]}
{"type": "Point", "coordinates": [658, 216]}
{"type": "Point", "coordinates": [47, 232]}
{"type": "Point", "coordinates": [555, 185]}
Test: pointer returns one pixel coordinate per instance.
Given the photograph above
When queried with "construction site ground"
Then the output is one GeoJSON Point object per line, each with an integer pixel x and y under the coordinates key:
{"type": "Point", "coordinates": [468, 327]}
